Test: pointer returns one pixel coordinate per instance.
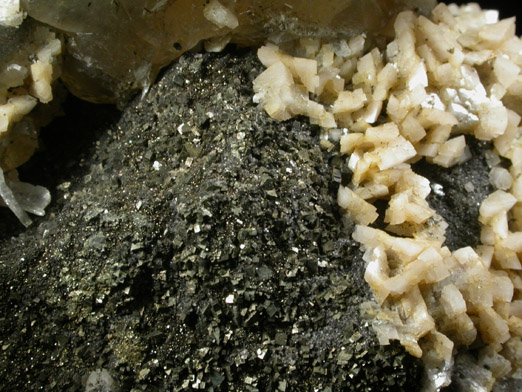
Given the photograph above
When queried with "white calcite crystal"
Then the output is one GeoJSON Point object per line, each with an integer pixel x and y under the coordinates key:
{"type": "Point", "coordinates": [10, 13]}
{"type": "Point", "coordinates": [220, 15]}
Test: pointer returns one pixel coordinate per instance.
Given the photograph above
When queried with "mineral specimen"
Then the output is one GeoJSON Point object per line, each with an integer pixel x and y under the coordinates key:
{"type": "Point", "coordinates": [194, 243]}
{"type": "Point", "coordinates": [388, 88]}
{"type": "Point", "coordinates": [456, 73]}
{"type": "Point", "coordinates": [109, 57]}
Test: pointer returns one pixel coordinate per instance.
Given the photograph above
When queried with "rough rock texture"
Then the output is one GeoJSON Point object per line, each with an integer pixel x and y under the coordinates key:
{"type": "Point", "coordinates": [454, 199]}
{"type": "Point", "coordinates": [195, 243]}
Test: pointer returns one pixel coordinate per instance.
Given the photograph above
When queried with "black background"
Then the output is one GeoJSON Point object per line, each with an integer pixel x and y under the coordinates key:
{"type": "Point", "coordinates": [506, 8]}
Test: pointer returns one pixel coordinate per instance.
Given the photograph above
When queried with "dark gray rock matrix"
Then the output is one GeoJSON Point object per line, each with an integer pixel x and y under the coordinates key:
{"type": "Point", "coordinates": [196, 244]}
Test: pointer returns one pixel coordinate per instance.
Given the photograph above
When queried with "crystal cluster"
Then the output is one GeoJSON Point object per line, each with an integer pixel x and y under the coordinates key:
{"type": "Point", "coordinates": [29, 66]}
{"type": "Point", "coordinates": [109, 57]}
{"type": "Point", "coordinates": [104, 51]}
{"type": "Point", "coordinates": [455, 73]}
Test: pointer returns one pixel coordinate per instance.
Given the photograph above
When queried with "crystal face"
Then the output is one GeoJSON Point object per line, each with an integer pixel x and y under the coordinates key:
{"type": "Point", "coordinates": [111, 56]}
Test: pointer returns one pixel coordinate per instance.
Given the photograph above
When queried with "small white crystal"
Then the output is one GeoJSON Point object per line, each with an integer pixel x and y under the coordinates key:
{"type": "Point", "coordinates": [220, 15]}
{"type": "Point", "coordinates": [10, 13]}
{"type": "Point", "coordinates": [229, 299]}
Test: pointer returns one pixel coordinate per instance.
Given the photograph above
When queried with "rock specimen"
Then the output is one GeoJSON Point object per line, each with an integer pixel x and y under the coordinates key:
{"type": "Point", "coordinates": [198, 246]}
{"type": "Point", "coordinates": [224, 233]}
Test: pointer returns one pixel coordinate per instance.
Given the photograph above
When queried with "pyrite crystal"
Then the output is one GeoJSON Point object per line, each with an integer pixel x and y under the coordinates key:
{"type": "Point", "coordinates": [115, 47]}
{"type": "Point", "coordinates": [197, 247]}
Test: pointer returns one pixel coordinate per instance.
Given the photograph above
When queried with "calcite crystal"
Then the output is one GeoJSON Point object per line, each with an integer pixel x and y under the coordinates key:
{"type": "Point", "coordinates": [108, 57]}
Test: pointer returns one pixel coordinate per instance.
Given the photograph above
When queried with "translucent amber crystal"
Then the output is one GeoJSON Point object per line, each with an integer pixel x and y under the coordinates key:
{"type": "Point", "coordinates": [115, 47]}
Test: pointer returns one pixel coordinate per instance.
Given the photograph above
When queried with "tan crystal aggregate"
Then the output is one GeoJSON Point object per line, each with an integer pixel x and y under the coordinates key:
{"type": "Point", "coordinates": [454, 73]}
{"type": "Point", "coordinates": [25, 82]}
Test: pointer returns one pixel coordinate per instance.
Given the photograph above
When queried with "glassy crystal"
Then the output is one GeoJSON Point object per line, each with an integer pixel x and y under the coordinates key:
{"type": "Point", "coordinates": [115, 47]}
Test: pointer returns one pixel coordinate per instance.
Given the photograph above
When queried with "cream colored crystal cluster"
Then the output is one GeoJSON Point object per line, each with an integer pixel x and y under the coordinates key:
{"type": "Point", "coordinates": [438, 78]}
{"type": "Point", "coordinates": [25, 81]}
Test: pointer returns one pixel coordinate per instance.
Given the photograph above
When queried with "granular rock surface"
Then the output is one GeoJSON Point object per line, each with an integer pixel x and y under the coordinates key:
{"type": "Point", "coordinates": [195, 243]}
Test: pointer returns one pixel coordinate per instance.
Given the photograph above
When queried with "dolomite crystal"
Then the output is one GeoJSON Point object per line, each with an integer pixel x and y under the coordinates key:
{"type": "Point", "coordinates": [391, 106]}
{"type": "Point", "coordinates": [30, 62]}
